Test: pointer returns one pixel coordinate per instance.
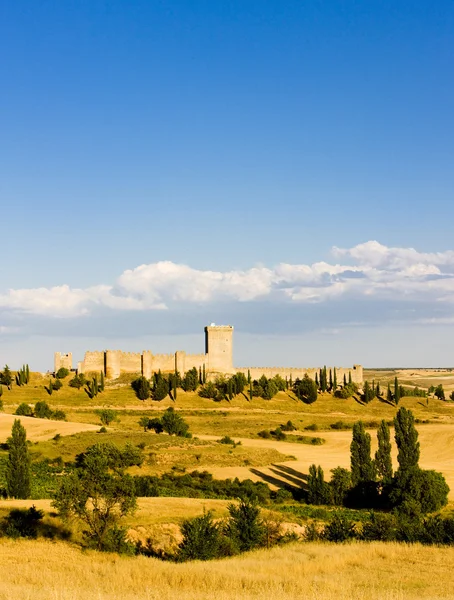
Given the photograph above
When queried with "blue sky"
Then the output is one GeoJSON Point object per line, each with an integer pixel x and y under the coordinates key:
{"type": "Point", "coordinates": [213, 142]}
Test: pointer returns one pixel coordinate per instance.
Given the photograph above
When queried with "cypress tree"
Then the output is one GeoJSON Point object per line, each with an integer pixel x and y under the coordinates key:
{"type": "Point", "coordinates": [316, 381]}
{"type": "Point", "coordinates": [389, 394]}
{"type": "Point", "coordinates": [378, 390]}
{"type": "Point", "coordinates": [320, 378]}
{"type": "Point", "coordinates": [175, 379]}
{"type": "Point", "coordinates": [335, 380]}
{"type": "Point", "coordinates": [366, 393]}
{"type": "Point", "coordinates": [383, 460]}
{"type": "Point", "coordinates": [18, 464]}
{"type": "Point", "coordinates": [345, 379]}
{"type": "Point", "coordinates": [27, 373]}
{"type": "Point", "coordinates": [250, 389]}
{"type": "Point", "coordinates": [349, 377]}
{"type": "Point", "coordinates": [362, 465]}
{"type": "Point", "coordinates": [324, 380]}
{"type": "Point", "coordinates": [406, 438]}
{"type": "Point", "coordinates": [204, 375]}
{"type": "Point", "coordinates": [396, 391]}
{"type": "Point", "coordinates": [286, 382]}
{"type": "Point", "coordinates": [330, 380]}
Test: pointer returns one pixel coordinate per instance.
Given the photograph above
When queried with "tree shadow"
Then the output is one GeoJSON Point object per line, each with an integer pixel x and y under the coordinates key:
{"type": "Point", "coordinates": [301, 477]}
{"type": "Point", "coordinates": [294, 481]}
{"type": "Point", "coordinates": [385, 400]}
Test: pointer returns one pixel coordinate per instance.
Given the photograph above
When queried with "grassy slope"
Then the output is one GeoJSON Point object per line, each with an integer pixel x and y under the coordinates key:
{"type": "Point", "coordinates": [378, 571]}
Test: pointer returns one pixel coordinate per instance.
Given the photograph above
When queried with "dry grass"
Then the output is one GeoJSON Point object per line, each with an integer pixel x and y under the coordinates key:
{"type": "Point", "coordinates": [56, 571]}
{"type": "Point", "coordinates": [41, 429]}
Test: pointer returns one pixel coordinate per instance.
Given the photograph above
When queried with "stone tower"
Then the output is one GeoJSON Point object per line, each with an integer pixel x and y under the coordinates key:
{"type": "Point", "coordinates": [63, 360]}
{"type": "Point", "coordinates": [219, 348]}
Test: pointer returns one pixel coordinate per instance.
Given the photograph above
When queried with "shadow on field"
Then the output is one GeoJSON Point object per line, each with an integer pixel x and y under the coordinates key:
{"type": "Point", "coordinates": [285, 478]}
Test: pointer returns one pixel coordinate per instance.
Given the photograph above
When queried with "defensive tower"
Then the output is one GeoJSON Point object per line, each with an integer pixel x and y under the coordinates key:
{"type": "Point", "coordinates": [219, 348]}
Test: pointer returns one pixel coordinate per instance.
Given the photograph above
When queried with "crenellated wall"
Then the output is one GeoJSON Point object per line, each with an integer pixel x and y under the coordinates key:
{"type": "Point", "coordinates": [294, 372]}
{"type": "Point", "coordinates": [64, 361]}
{"type": "Point", "coordinates": [218, 358]}
{"type": "Point", "coordinates": [93, 361]}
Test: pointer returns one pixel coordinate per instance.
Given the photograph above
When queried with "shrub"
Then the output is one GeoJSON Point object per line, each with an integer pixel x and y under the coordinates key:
{"type": "Point", "coordinates": [174, 424]}
{"type": "Point", "coordinates": [208, 390]}
{"type": "Point", "coordinates": [56, 384]}
{"type": "Point", "coordinates": [156, 425]}
{"type": "Point", "coordinates": [141, 386]}
{"type": "Point", "coordinates": [43, 410]}
{"type": "Point", "coordinates": [77, 381]}
{"type": "Point", "coordinates": [245, 526]}
{"type": "Point", "coordinates": [347, 391]}
{"type": "Point", "coordinates": [227, 440]}
{"type": "Point", "coordinates": [58, 415]}
{"type": "Point", "coordinates": [381, 527]}
{"type": "Point", "coordinates": [24, 410]}
{"type": "Point", "coordinates": [106, 415]}
{"type": "Point", "coordinates": [288, 427]}
{"type": "Point", "coordinates": [339, 529]}
{"type": "Point", "coordinates": [62, 373]}
{"type": "Point", "coordinates": [427, 488]}
{"type": "Point", "coordinates": [201, 539]}
{"type": "Point", "coordinates": [264, 434]}
{"type": "Point", "coordinates": [313, 427]}
{"type": "Point", "coordinates": [23, 522]}
{"type": "Point", "coordinates": [340, 425]}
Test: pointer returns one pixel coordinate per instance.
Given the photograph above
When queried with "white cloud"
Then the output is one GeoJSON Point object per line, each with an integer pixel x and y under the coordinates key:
{"type": "Point", "coordinates": [375, 271]}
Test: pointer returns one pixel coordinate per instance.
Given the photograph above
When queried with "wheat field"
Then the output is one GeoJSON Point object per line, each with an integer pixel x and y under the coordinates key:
{"type": "Point", "coordinates": [43, 570]}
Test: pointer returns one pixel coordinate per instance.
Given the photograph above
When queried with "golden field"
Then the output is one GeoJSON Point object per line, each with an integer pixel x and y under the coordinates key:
{"type": "Point", "coordinates": [377, 571]}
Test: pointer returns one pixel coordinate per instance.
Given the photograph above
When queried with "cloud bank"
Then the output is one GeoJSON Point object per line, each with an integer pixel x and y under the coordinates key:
{"type": "Point", "coordinates": [366, 271]}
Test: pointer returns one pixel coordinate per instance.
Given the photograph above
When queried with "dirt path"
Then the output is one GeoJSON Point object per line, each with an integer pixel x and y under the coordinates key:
{"type": "Point", "coordinates": [41, 429]}
{"type": "Point", "coordinates": [437, 452]}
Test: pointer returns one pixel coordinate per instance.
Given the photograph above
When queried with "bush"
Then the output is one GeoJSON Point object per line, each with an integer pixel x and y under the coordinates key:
{"type": "Point", "coordinates": [312, 427]}
{"type": "Point", "coordinates": [381, 527]}
{"type": "Point", "coordinates": [106, 415]}
{"type": "Point", "coordinates": [340, 425]}
{"type": "Point", "coordinates": [227, 440]}
{"type": "Point", "coordinates": [62, 373]}
{"type": "Point", "coordinates": [59, 415]}
{"type": "Point", "coordinates": [201, 539]}
{"type": "Point", "coordinates": [43, 410]}
{"type": "Point", "coordinates": [347, 391]}
{"type": "Point", "coordinates": [24, 410]}
{"type": "Point", "coordinates": [174, 424]}
{"type": "Point", "coordinates": [156, 425]}
{"type": "Point", "coordinates": [288, 427]}
{"type": "Point", "coordinates": [266, 435]}
{"type": "Point", "coordinates": [426, 488]}
{"type": "Point", "coordinates": [77, 381]}
{"type": "Point", "coordinates": [339, 529]}
{"type": "Point", "coordinates": [23, 522]}
{"type": "Point", "coordinates": [141, 386]}
{"type": "Point", "coordinates": [245, 526]}
{"type": "Point", "coordinates": [56, 384]}
{"type": "Point", "coordinates": [208, 390]}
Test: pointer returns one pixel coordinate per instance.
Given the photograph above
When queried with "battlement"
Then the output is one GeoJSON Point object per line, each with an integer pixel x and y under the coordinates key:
{"type": "Point", "coordinates": [217, 359]}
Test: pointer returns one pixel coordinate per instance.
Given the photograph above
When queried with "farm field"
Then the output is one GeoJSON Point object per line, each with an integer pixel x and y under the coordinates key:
{"type": "Point", "coordinates": [378, 571]}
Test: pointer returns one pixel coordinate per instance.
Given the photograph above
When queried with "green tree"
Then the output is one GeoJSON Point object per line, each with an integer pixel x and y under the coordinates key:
{"type": "Point", "coordinates": [362, 465]}
{"type": "Point", "coordinates": [98, 494]}
{"type": "Point", "coordinates": [43, 410]}
{"type": "Point", "coordinates": [324, 382]}
{"type": "Point", "coordinates": [318, 491]}
{"type": "Point", "coordinates": [340, 484]}
{"type": "Point", "coordinates": [439, 392]}
{"type": "Point", "coordinates": [406, 437]}
{"type": "Point", "coordinates": [24, 410]}
{"type": "Point", "coordinates": [349, 377]}
{"type": "Point", "coordinates": [62, 373]}
{"type": "Point", "coordinates": [335, 380]}
{"type": "Point", "coordinates": [6, 377]}
{"type": "Point", "coordinates": [201, 538]}
{"type": "Point", "coordinates": [160, 389]}
{"type": "Point", "coordinates": [144, 422]}
{"type": "Point", "coordinates": [245, 526]}
{"type": "Point", "coordinates": [389, 395]}
{"type": "Point", "coordinates": [383, 462]}
{"type": "Point", "coordinates": [106, 415]}
{"type": "Point", "coordinates": [306, 389]}
{"type": "Point", "coordinates": [141, 386]}
{"type": "Point", "coordinates": [18, 464]}
{"type": "Point", "coordinates": [174, 424]}
{"type": "Point", "coordinates": [396, 391]}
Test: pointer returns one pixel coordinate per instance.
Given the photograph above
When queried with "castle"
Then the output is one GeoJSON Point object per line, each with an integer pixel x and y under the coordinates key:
{"type": "Point", "coordinates": [217, 359]}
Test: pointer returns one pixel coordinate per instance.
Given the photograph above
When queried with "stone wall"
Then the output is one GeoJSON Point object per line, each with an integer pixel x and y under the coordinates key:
{"type": "Point", "coordinates": [218, 358]}
{"type": "Point", "coordinates": [93, 361]}
{"type": "Point", "coordinates": [64, 361]}
{"type": "Point", "coordinates": [294, 373]}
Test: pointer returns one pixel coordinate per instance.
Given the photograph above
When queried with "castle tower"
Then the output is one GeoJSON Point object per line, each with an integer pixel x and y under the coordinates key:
{"type": "Point", "coordinates": [63, 360]}
{"type": "Point", "coordinates": [219, 348]}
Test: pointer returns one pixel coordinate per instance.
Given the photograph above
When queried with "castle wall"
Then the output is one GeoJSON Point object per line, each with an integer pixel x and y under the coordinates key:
{"type": "Point", "coordinates": [131, 362]}
{"type": "Point", "coordinates": [194, 360]}
{"type": "Point", "coordinates": [164, 363]}
{"type": "Point", "coordinates": [93, 361]}
{"type": "Point", "coordinates": [294, 373]}
{"type": "Point", "coordinates": [63, 361]}
{"type": "Point", "coordinates": [147, 364]}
